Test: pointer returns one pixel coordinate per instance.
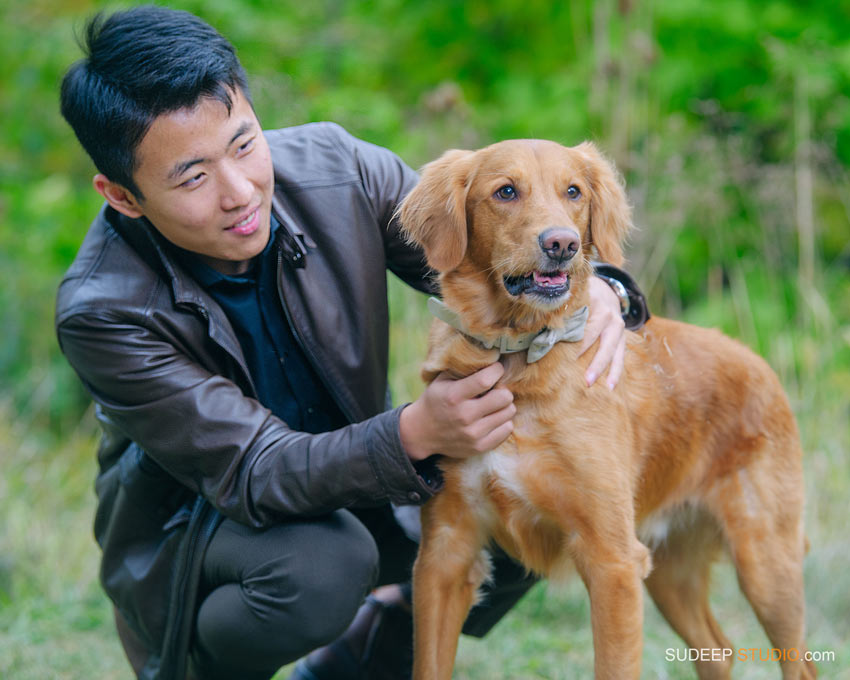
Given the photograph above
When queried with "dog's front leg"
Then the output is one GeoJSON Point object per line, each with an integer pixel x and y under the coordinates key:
{"type": "Point", "coordinates": [614, 583]}
{"type": "Point", "coordinates": [448, 572]}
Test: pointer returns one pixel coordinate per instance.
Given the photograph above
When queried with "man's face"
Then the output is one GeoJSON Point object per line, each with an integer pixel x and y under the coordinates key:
{"type": "Point", "coordinates": [207, 181]}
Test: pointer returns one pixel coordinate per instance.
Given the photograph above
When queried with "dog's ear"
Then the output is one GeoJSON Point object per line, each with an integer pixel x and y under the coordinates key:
{"type": "Point", "coordinates": [434, 213]}
{"type": "Point", "coordinates": [610, 214]}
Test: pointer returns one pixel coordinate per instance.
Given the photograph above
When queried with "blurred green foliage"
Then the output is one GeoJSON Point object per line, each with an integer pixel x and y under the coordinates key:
{"type": "Point", "coordinates": [716, 113]}
{"type": "Point", "coordinates": [730, 121]}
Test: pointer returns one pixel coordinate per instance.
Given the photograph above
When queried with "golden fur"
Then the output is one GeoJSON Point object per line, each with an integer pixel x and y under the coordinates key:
{"type": "Point", "coordinates": [695, 451]}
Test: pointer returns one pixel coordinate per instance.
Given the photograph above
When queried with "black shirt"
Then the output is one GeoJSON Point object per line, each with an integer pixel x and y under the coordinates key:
{"type": "Point", "coordinates": [285, 382]}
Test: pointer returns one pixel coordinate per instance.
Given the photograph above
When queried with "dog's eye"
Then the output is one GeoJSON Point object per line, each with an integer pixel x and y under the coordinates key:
{"type": "Point", "coordinates": [506, 193]}
{"type": "Point", "coordinates": [573, 192]}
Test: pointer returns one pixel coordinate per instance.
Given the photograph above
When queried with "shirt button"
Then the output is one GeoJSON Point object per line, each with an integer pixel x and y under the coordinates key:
{"type": "Point", "coordinates": [310, 410]}
{"type": "Point", "coordinates": [414, 496]}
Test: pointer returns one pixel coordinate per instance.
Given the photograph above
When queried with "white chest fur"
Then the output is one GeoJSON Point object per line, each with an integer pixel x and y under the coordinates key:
{"type": "Point", "coordinates": [494, 467]}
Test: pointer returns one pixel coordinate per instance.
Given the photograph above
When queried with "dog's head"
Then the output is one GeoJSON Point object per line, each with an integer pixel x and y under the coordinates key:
{"type": "Point", "coordinates": [510, 228]}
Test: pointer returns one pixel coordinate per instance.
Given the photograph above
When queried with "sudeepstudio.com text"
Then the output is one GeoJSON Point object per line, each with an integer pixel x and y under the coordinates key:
{"type": "Point", "coordinates": [747, 654]}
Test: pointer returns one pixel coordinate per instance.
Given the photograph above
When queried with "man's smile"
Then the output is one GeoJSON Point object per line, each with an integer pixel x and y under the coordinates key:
{"type": "Point", "coordinates": [247, 225]}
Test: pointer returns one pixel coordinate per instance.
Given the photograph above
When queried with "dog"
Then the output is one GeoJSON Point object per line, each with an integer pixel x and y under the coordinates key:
{"type": "Point", "coordinates": [696, 451]}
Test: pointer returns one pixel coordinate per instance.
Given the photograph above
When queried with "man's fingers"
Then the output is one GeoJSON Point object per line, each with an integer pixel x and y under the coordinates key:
{"type": "Point", "coordinates": [604, 307]}
{"type": "Point", "coordinates": [485, 426]}
{"type": "Point", "coordinates": [495, 400]}
{"type": "Point", "coordinates": [591, 333]}
{"type": "Point", "coordinates": [609, 341]}
{"type": "Point", "coordinates": [496, 436]}
{"type": "Point", "coordinates": [479, 382]}
{"type": "Point", "coordinates": [617, 364]}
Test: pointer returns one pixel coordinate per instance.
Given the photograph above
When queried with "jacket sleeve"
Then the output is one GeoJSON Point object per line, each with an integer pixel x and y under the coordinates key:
{"type": "Point", "coordinates": [387, 180]}
{"type": "Point", "coordinates": [202, 430]}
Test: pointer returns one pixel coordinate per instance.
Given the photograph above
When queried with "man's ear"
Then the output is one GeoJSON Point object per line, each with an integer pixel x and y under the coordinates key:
{"type": "Point", "coordinates": [117, 196]}
{"type": "Point", "coordinates": [434, 213]}
{"type": "Point", "coordinates": [610, 214]}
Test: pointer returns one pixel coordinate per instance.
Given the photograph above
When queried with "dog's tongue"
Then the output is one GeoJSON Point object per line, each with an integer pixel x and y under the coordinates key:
{"type": "Point", "coordinates": [552, 279]}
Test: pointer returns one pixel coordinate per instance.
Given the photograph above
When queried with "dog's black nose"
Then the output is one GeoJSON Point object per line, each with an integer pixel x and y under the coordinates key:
{"type": "Point", "coordinates": [559, 243]}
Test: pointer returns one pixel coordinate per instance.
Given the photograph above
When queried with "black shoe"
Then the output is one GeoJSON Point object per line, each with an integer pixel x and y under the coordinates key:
{"type": "Point", "coordinates": [378, 645]}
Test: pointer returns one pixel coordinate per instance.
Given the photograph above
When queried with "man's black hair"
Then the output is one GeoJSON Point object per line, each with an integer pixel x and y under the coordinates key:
{"type": "Point", "coordinates": [140, 64]}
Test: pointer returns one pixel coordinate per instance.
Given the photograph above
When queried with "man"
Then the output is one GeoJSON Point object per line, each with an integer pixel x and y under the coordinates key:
{"type": "Point", "coordinates": [227, 311]}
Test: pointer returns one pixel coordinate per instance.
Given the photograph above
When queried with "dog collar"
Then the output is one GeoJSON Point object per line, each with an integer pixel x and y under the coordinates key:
{"type": "Point", "coordinates": [537, 343]}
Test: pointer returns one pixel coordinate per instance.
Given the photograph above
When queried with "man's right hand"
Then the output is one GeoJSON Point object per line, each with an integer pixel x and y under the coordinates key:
{"type": "Point", "coordinates": [458, 418]}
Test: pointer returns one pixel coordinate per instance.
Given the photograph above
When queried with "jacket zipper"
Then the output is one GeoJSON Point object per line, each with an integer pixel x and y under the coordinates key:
{"type": "Point", "coordinates": [303, 345]}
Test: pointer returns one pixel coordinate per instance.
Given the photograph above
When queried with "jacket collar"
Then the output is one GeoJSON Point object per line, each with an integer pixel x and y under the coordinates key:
{"type": "Point", "coordinates": [153, 248]}
{"type": "Point", "coordinates": [158, 252]}
{"type": "Point", "coordinates": [294, 243]}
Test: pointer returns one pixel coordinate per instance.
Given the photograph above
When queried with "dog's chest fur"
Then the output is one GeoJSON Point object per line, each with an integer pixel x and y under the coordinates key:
{"type": "Point", "coordinates": [502, 487]}
{"type": "Point", "coordinates": [496, 489]}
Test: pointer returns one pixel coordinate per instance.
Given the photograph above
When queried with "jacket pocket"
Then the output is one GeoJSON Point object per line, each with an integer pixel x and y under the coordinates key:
{"type": "Point", "coordinates": [141, 521]}
{"type": "Point", "coordinates": [152, 489]}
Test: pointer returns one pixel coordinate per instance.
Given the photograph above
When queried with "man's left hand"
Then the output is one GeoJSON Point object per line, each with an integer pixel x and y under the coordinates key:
{"type": "Point", "coordinates": [605, 324]}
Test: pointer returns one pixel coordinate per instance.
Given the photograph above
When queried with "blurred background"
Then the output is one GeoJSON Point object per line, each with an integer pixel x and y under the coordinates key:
{"type": "Point", "coordinates": [730, 121]}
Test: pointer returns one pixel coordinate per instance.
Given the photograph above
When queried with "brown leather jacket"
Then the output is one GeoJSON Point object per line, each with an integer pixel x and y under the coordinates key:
{"type": "Point", "coordinates": [185, 441]}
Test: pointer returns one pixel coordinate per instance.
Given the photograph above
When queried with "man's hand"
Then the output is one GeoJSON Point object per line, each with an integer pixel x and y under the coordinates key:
{"type": "Point", "coordinates": [606, 324]}
{"type": "Point", "coordinates": [458, 418]}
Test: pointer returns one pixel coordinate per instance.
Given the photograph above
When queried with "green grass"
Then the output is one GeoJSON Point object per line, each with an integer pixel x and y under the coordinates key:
{"type": "Point", "coordinates": [54, 619]}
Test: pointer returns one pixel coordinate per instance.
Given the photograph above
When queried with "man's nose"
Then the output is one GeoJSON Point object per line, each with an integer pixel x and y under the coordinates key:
{"type": "Point", "coordinates": [559, 243]}
{"type": "Point", "coordinates": [236, 188]}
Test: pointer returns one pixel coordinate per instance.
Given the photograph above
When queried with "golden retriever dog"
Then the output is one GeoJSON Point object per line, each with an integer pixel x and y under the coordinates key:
{"type": "Point", "coordinates": [695, 452]}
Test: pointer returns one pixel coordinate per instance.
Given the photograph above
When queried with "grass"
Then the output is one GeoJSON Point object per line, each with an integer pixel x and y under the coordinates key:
{"type": "Point", "coordinates": [54, 620]}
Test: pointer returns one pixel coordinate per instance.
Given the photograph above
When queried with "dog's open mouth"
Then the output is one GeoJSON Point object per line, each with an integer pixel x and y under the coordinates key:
{"type": "Point", "coordinates": [544, 284]}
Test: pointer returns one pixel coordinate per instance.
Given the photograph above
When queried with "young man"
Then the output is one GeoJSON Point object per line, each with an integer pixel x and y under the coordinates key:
{"type": "Point", "coordinates": [227, 311]}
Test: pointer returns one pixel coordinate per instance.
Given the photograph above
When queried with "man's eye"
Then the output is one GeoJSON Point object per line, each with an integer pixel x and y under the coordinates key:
{"type": "Point", "coordinates": [193, 181]}
{"type": "Point", "coordinates": [506, 193]}
{"type": "Point", "coordinates": [246, 146]}
{"type": "Point", "coordinates": [574, 192]}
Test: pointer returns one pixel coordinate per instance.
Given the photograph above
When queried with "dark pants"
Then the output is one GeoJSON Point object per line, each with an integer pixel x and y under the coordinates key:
{"type": "Point", "coordinates": [269, 597]}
